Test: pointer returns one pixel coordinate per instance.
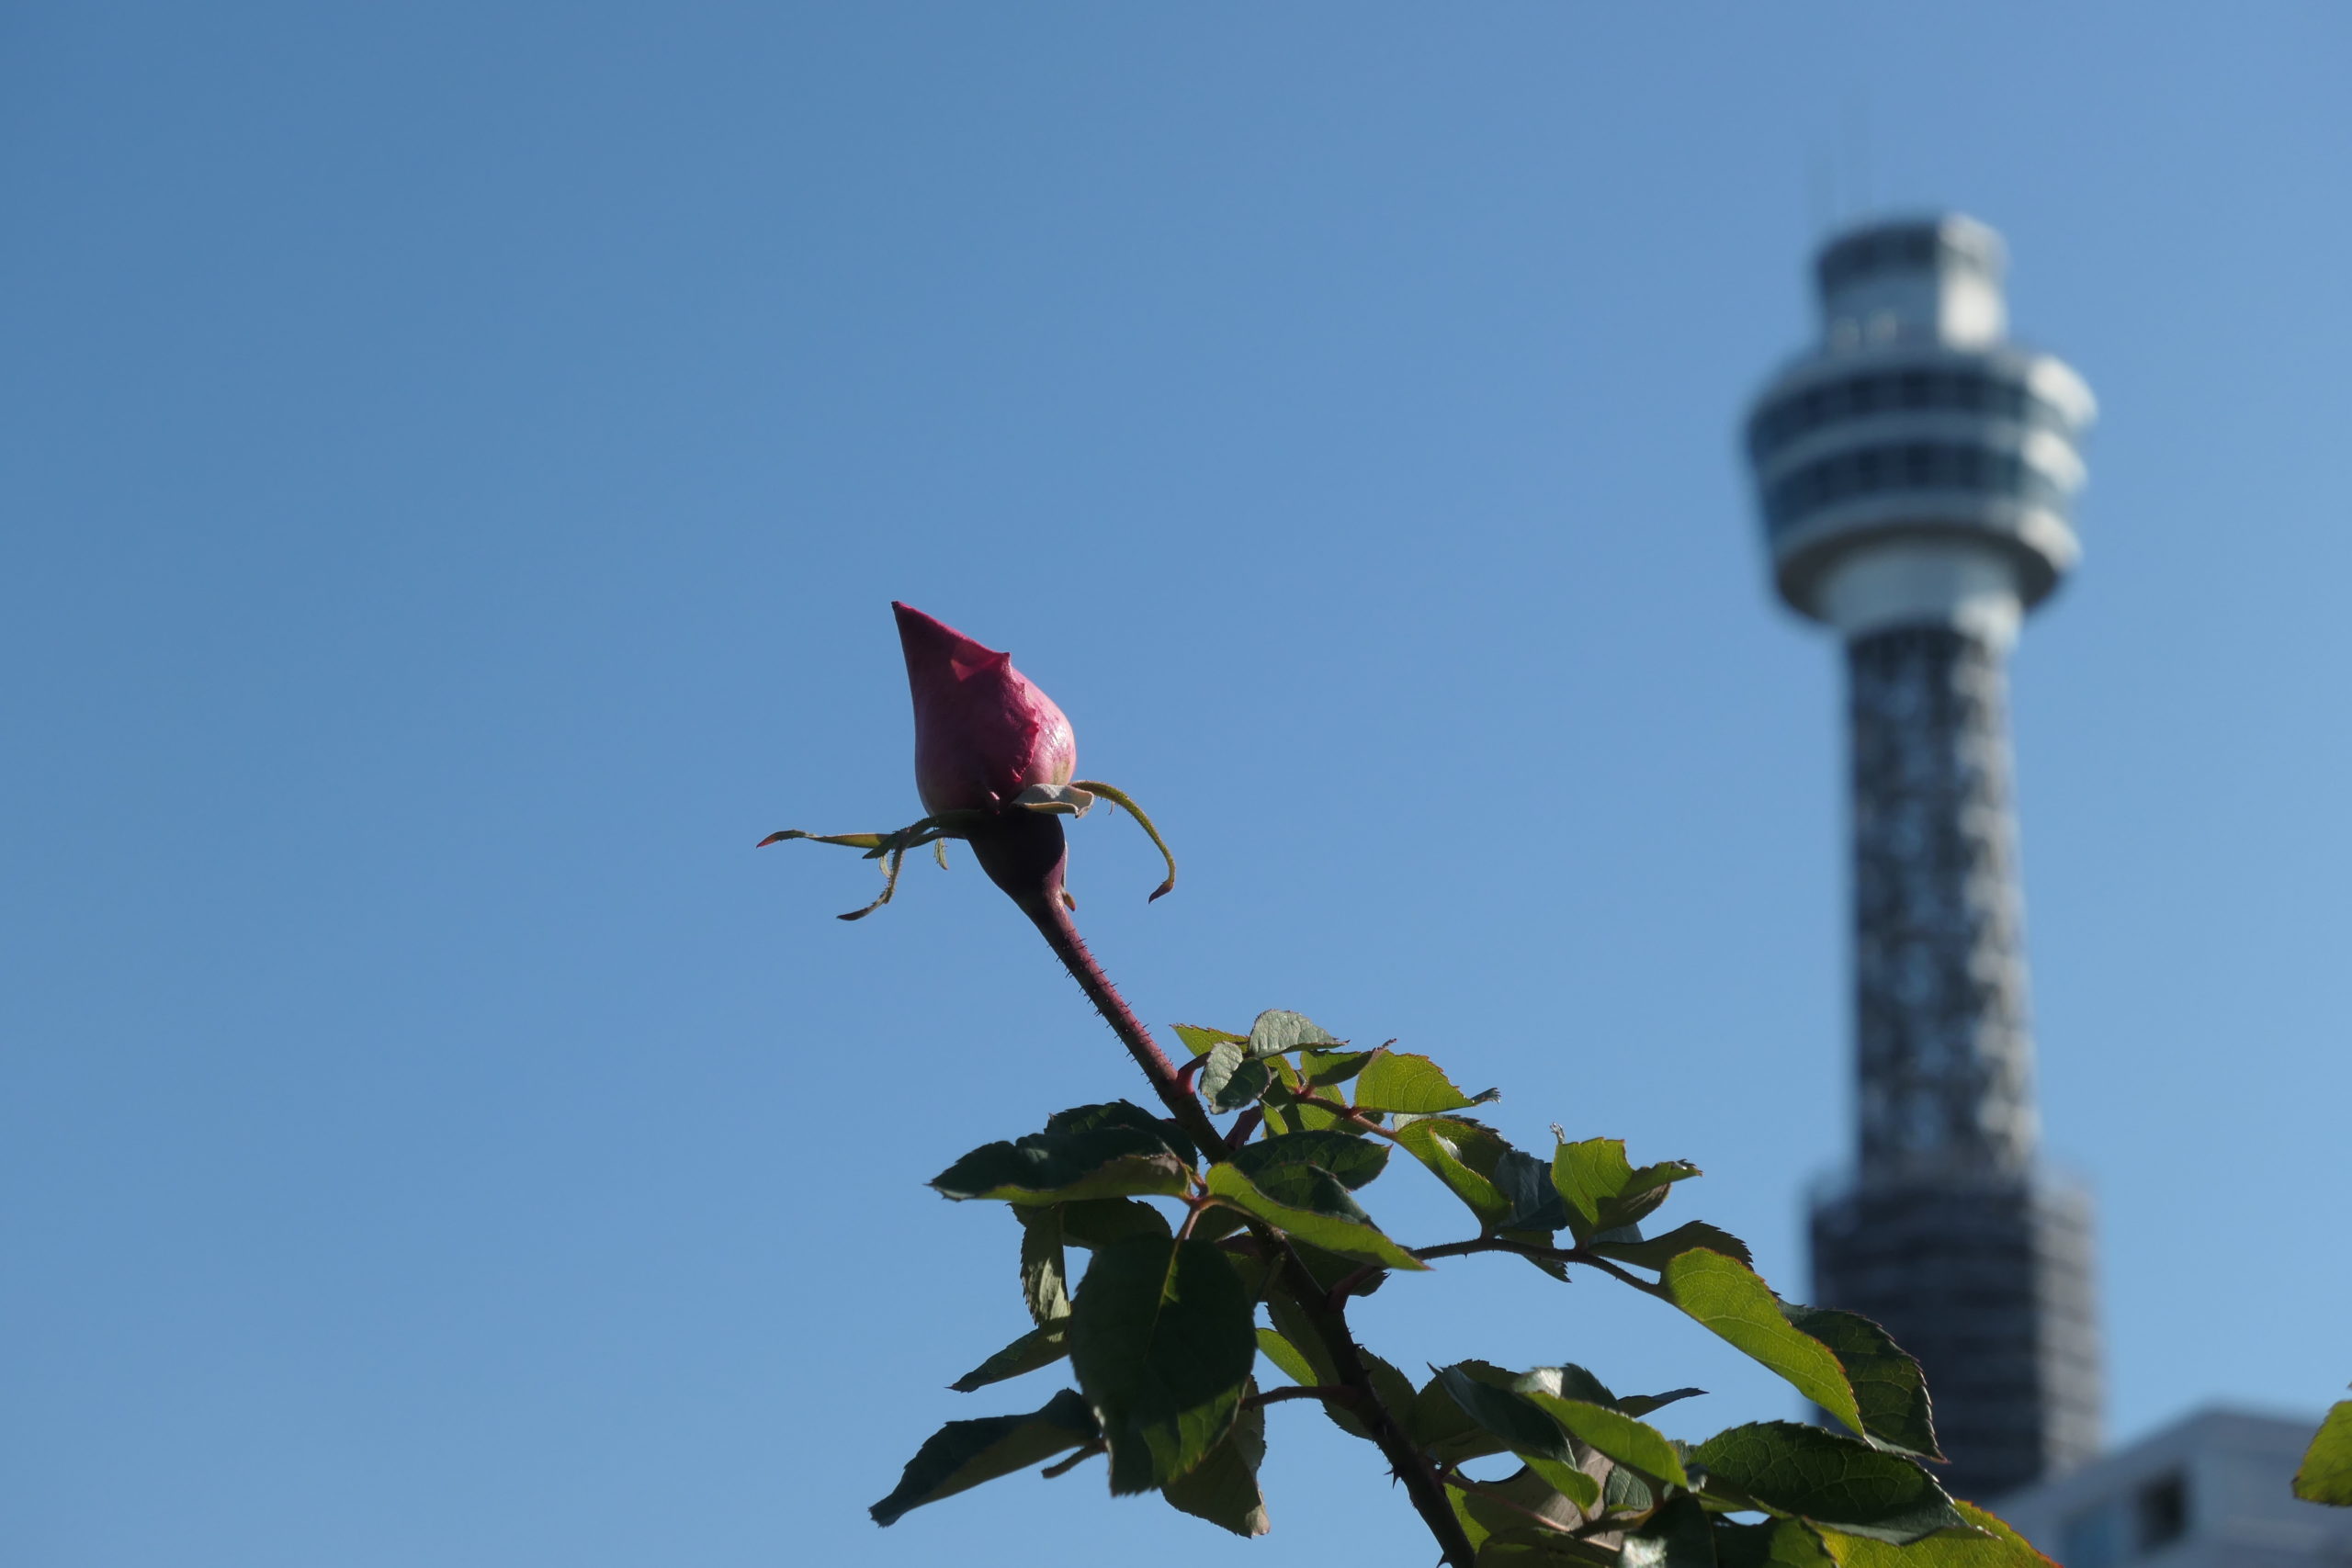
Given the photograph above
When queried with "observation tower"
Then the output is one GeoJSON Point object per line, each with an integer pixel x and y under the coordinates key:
{"type": "Point", "coordinates": [1916, 470]}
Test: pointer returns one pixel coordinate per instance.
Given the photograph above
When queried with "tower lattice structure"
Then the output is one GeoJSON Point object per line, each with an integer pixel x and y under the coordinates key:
{"type": "Point", "coordinates": [1915, 471]}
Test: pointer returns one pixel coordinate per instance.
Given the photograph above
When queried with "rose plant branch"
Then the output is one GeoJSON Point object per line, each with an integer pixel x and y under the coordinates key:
{"type": "Point", "coordinates": [1161, 1333]}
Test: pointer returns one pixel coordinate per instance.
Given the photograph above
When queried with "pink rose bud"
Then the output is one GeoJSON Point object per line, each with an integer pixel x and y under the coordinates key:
{"type": "Point", "coordinates": [983, 731]}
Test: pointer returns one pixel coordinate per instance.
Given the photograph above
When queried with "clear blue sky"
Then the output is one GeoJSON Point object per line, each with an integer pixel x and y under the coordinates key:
{"type": "Point", "coordinates": [455, 460]}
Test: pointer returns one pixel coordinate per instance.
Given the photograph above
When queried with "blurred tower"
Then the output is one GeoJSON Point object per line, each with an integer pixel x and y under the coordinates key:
{"type": "Point", "coordinates": [1916, 470]}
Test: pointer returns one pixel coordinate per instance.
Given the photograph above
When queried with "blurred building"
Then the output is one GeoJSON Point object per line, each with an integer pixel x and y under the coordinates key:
{"type": "Point", "coordinates": [2208, 1492]}
{"type": "Point", "coordinates": [1916, 469]}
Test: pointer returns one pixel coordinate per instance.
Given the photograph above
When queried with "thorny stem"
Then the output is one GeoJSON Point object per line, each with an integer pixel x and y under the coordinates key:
{"type": "Point", "coordinates": [1022, 854]}
{"type": "Point", "coordinates": [1411, 1467]}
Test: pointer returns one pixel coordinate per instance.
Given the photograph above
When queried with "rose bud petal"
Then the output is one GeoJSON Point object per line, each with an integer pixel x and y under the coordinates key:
{"type": "Point", "coordinates": [983, 731]}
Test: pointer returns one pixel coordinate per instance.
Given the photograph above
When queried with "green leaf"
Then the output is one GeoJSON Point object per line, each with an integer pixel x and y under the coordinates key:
{"type": "Point", "coordinates": [1391, 1081]}
{"type": "Point", "coordinates": [1162, 1343]}
{"type": "Point", "coordinates": [1045, 1274]}
{"type": "Point", "coordinates": [1313, 1207]}
{"type": "Point", "coordinates": [1223, 1488]}
{"type": "Point", "coordinates": [2325, 1476]}
{"type": "Point", "coordinates": [1277, 1031]}
{"type": "Point", "coordinates": [1775, 1543]}
{"type": "Point", "coordinates": [1327, 1070]}
{"type": "Point", "coordinates": [1679, 1535]}
{"type": "Point", "coordinates": [1998, 1547]}
{"type": "Point", "coordinates": [1462, 1154]}
{"type": "Point", "coordinates": [1522, 1426]}
{"type": "Point", "coordinates": [1198, 1039]}
{"type": "Point", "coordinates": [1044, 1168]}
{"type": "Point", "coordinates": [1889, 1389]}
{"type": "Point", "coordinates": [1603, 1192]}
{"type": "Point", "coordinates": [1124, 1113]}
{"type": "Point", "coordinates": [1293, 1361]}
{"type": "Point", "coordinates": [1728, 1298]}
{"type": "Point", "coordinates": [1232, 1078]}
{"type": "Point", "coordinates": [1828, 1480]}
{"type": "Point", "coordinates": [1656, 1252]}
{"type": "Point", "coordinates": [962, 1454]}
{"type": "Point", "coordinates": [1041, 1347]}
{"type": "Point", "coordinates": [1501, 1509]}
{"type": "Point", "coordinates": [1623, 1439]}
{"type": "Point", "coordinates": [1356, 1161]}
{"type": "Point", "coordinates": [1098, 1222]}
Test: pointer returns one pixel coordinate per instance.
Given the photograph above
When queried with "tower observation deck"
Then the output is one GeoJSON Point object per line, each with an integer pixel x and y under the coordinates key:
{"type": "Point", "coordinates": [1915, 471]}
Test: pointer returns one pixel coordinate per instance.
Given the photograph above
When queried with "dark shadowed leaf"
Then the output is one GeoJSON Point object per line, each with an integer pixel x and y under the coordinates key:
{"type": "Point", "coordinates": [1223, 1488]}
{"type": "Point", "coordinates": [1354, 1160]}
{"type": "Point", "coordinates": [1834, 1482]}
{"type": "Point", "coordinates": [1775, 1543]}
{"type": "Point", "coordinates": [1656, 1252]}
{"type": "Point", "coordinates": [1277, 1031]}
{"type": "Point", "coordinates": [1327, 1070]}
{"type": "Point", "coordinates": [1726, 1295]}
{"type": "Point", "coordinates": [1124, 1113]}
{"type": "Point", "coordinates": [964, 1454]}
{"type": "Point", "coordinates": [1044, 1167]}
{"type": "Point", "coordinates": [1679, 1535]}
{"type": "Point", "coordinates": [1521, 1506]}
{"type": "Point", "coordinates": [1392, 1081]}
{"type": "Point", "coordinates": [1521, 1425]}
{"type": "Point", "coordinates": [1536, 1204]}
{"type": "Point", "coordinates": [1044, 1273]}
{"type": "Point", "coordinates": [1038, 1347]}
{"type": "Point", "coordinates": [1233, 1078]}
{"type": "Point", "coordinates": [1161, 1340]}
{"type": "Point", "coordinates": [1888, 1388]}
{"type": "Point", "coordinates": [1098, 1222]}
{"type": "Point", "coordinates": [1313, 1207]}
{"type": "Point", "coordinates": [2325, 1476]}
{"type": "Point", "coordinates": [1623, 1439]}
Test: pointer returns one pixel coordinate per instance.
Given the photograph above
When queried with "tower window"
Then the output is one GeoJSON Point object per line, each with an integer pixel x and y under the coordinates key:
{"type": "Point", "coordinates": [2160, 1512]}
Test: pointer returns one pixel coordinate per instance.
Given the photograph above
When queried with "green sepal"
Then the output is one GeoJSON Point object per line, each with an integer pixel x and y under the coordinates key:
{"type": "Point", "coordinates": [962, 1454]}
{"type": "Point", "coordinates": [1119, 797]}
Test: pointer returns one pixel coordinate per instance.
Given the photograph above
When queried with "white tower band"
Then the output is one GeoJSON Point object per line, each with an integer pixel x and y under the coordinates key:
{"type": "Point", "coordinates": [1916, 470]}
